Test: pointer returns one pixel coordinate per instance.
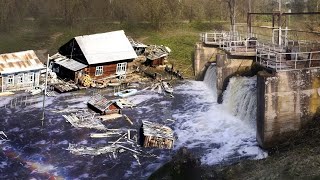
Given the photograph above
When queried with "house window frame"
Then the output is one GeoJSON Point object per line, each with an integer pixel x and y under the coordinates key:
{"type": "Point", "coordinates": [121, 68]}
{"type": "Point", "coordinates": [30, 77]}
{"type": "Point", "coordinates": [99, 71]}
{"type": "Point", "coordinates": [20, 78]}
{"type": "Point", "coordinates": [10, 80]}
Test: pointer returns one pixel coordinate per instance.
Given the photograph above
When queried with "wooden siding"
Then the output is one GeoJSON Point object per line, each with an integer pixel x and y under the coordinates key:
{"type": "Point", "coordinates": [158, 62]}
{"type": "Point", "coordinates": [17, 86]}
{"type": "Point", "coordinates": [108, 70]}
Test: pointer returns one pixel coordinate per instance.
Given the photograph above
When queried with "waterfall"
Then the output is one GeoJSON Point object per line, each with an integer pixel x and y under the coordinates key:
{"type": "Point", "coordinates": [240, 98]}
{"type": "Point", "coordinates": [211, 77]}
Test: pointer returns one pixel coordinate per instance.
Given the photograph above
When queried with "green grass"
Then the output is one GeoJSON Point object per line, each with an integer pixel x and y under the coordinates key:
{"type": "Point", "coordinates": [180, 38]}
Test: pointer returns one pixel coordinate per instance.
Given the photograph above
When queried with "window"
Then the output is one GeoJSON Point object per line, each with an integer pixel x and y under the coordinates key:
{"type": "Point", "coordinates": [121, 68]}
{"type": "Point", "coordinates": [20, 79]}
{"type": "Point", "coordinates": [99, 70]}
{"type": "Point", "coordinates": [10, 80]}
{"type": "Point", "coordinates": [30, 77]}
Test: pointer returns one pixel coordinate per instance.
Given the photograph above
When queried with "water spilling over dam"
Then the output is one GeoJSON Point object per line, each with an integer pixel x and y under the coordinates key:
{"type": "Point", "coordinates": [218, 133]}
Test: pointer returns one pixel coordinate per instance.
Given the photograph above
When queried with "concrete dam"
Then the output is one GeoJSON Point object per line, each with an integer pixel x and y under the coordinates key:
{"type": "Point", "coordinates": [275, 91]}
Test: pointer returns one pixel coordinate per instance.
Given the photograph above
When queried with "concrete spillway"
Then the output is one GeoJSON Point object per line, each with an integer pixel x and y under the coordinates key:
{"type": "Point", "coordinates": [240, 98]}
{"type": "Point", "coordinates": [281, 100]}
{"type": "Point", "coordinates": [210, 129]}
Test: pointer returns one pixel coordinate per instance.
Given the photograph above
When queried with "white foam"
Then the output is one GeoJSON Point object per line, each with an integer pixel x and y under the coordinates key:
{"type": "Point", "coordinates": [140, 98]}
{"type": "Point", "coordinates": [240, 98]}
{"type": "Point", "coordinates": [207, 127]}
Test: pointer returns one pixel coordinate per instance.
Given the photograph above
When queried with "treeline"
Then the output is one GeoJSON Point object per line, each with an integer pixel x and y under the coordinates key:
{"type": "Point", "coordinates": [155, 12]}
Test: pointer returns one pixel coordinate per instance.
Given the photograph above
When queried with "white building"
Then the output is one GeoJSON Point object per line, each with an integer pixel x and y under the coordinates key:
{"type": "Point", "coordinates": [19, 71]}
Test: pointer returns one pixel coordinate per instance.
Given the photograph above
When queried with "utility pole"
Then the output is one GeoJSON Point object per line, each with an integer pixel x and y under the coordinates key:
{"type": "Point", "coordinates": [249, 21]}
{"type": "Point", "coordinates": [279, 24]}
{"type": "Point", "coordinates": [45, 91]}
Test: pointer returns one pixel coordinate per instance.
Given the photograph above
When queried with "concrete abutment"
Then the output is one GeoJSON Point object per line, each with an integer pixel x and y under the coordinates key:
{"type": "Point", "coordinates": [286, 100]}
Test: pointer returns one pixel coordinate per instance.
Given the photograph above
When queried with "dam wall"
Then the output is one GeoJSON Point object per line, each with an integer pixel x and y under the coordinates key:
{"type": "Point", "coordinates": [227, 67]}
{"type": "Point", "coordinates": [203, 57]}
{"type": "Point", "coordinates": [286, 101]}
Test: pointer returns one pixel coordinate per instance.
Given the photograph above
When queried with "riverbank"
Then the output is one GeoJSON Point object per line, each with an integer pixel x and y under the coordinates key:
{"type": "Point", "coordinates": [296, 158]}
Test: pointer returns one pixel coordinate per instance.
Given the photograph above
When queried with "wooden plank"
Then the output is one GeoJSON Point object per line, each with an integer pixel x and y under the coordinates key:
{"type": "Point", "coordinates": [128, 119]}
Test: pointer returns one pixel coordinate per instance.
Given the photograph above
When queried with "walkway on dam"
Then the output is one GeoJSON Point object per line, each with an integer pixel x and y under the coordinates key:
{"type": "Point", "coordinates": [297, 55]}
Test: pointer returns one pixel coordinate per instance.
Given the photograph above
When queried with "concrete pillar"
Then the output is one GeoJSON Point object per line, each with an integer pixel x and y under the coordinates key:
{"type": "Point", "coordinates": [227, 68]}
{"type": "Point", "coordinates": [202, 56]}
{"type": "Point", "coordinates": [286, 102]}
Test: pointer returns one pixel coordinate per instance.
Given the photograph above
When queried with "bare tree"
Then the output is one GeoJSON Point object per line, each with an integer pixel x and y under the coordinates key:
{"type": "Point", "coordinates": [232, 13]}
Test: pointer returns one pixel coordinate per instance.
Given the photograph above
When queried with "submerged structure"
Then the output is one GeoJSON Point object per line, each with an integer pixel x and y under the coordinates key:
{"type": "Point", "coordinates": [156, 135]}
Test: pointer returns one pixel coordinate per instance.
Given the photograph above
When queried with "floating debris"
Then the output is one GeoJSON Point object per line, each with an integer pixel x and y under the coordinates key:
{"type": "Point", "coordinates": [103, 106]}
{"type": "Point", "coordinates": [51, 94]}
{"type": "Point", "coordinates": [85, 150]}
{"type": "Point", "coordinates": [124, 103]}
{"type": "Point", "coordinates": [3, 137]}
{"type": "Point", "coordinates": [104, 135]}
{"type": "Point", "coordinates": [167, 87]}
{"type": "Point", "coordinates": [128, 119]}
{"type": "Point", "coordinates": [84, 121]}
{"type": "Point", "coordinates": [157, 135]}
{"type": "Point", "coordinates": [65, 87]}
{"type": "Point", "coordinates": [109, 117]}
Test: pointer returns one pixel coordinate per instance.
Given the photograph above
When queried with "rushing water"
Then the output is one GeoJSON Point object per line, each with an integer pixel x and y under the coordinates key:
{"type": "Point", "coordinates": [216, 133]}
{"type": "Point", "coordinates": [240, 98]}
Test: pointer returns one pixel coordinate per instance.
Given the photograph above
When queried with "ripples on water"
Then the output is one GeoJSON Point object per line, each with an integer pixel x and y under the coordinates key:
{"type": "Point", "coordinates": [207, 128]}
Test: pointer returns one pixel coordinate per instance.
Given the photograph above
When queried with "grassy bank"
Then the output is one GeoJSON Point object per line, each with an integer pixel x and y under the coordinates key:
{"type": "Point", "coordinates": [180, 37]}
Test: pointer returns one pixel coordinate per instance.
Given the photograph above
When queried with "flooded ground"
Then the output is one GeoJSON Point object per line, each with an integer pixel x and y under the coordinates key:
{"type": "Point", "coordinates": [39, 151]}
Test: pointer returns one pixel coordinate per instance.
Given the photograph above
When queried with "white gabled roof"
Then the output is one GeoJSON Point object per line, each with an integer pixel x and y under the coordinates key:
{"type": "Point", "coordinates": [106, 47]}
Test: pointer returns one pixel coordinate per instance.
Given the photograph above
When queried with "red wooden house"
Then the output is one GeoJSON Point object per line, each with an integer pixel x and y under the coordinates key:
{"type": "Point", "coordinates": [98, 55]}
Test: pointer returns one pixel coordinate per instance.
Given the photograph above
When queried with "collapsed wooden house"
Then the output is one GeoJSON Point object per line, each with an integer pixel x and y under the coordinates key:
{"type": "Point", "coordinates": [138, 47]}
{"type": "Point", "coordinates": [20, 71]}
{"type": "Point", "coordinates": [97, 55]}
{"type": "Point", "coordinates": [156, 135]}
{"type": "Point", "coordinates": [102, 105]}
{"type": "Point", "coordinates": [156, 55]}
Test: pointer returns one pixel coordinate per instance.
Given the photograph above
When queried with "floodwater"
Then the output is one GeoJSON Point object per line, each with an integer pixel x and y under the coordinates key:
{"type": "Point", "coordinates": [39, 151]}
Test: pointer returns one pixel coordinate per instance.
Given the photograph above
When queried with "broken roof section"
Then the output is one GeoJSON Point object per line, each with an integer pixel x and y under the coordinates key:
{"type": "Point", "coordinates": [101, 103]}
{"type": "Point", "coordinates": [23, 61]}
{"type": "Point", "coordinates": [67, 63]}
{"type": "Point", "coordinates": [156, 52]}
{"type": "Point", "coordinates": [136, 43]}
{"type": "Point", "coordinates": [106, 47]}
{"type": "Point", "coordinates": [157, 130]}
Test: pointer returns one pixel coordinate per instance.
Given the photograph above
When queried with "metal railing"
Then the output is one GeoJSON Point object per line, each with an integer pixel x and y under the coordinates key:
{"type": "Point", "coordinates": [240, 46]}
{"type": "Point", "coordinates": [269, 55]}
{"type": "Point", "coordinates": [285, 61]}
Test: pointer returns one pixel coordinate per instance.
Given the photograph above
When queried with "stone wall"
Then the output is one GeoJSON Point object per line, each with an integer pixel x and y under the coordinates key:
{"type": "Point", "coordinates": [286, 101]}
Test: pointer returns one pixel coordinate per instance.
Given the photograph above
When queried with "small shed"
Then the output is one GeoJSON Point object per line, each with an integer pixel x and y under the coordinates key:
{"type": "Point", "coordinates": [67, 68]}
{"type": "Point", "coordinates": [102, 105]}
{"type": "Point", "coordinates": [156, 55]}
{"type": "Point", "coordinates": [156, 135]}
{"type": "Point", "coordinates": [20, 70]}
